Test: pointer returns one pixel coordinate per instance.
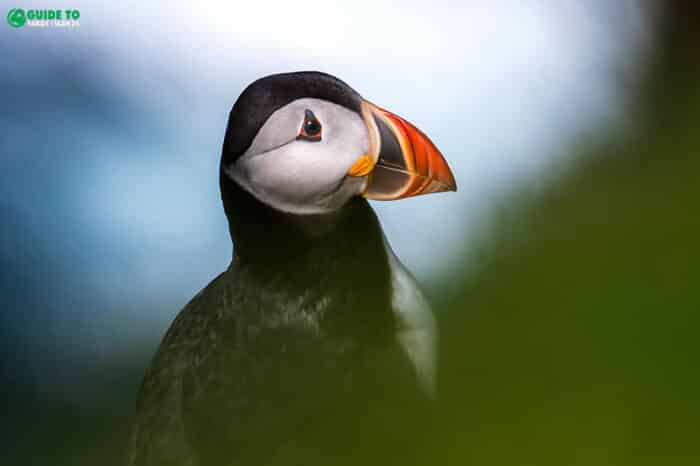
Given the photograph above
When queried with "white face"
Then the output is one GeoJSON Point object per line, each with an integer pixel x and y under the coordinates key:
{"type": "Point", "coordinates": [302, 176]}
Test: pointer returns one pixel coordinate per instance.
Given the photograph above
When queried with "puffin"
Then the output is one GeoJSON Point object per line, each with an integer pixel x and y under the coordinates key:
{"type": "Point", "coordinates": [315, 345]}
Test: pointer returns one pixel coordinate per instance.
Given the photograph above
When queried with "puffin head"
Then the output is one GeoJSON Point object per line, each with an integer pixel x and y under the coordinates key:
{"type": "Point", "coordinates": [306, 143]}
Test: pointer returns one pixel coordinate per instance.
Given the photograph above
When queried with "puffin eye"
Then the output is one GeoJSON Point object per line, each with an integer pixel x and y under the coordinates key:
{"type": "Point", "coordinates": [311, 128]}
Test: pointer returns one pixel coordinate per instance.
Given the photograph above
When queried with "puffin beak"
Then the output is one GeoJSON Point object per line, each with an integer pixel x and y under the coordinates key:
{"type": "Point", "coordinates": [402, 162]}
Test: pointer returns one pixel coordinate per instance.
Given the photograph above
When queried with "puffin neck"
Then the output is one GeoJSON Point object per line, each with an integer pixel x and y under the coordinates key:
{"type": "Point", "coordinates": [264, 237]}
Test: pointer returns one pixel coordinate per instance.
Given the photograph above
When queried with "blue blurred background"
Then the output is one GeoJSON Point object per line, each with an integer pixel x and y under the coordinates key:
{"type": "Point", "coordinates": [110, 136]}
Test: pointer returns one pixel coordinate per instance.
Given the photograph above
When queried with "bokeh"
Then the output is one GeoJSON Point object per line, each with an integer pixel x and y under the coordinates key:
{"type": "Point", "coordinates": [564, 271]}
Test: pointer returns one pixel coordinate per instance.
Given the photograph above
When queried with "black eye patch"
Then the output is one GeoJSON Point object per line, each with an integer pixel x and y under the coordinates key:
{"type": "Point", "coordinates": [311, 128]}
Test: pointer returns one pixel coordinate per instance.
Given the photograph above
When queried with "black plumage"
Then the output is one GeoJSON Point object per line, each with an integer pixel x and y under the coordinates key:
{"type": "Point", "coordinates": [290, 356]}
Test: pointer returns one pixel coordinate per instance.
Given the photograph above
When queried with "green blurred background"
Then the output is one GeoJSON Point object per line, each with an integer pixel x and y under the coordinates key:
{"type": "Point", "coordinates": [573, 336]}
{"type": "Point", "coordinates": [568, 327]}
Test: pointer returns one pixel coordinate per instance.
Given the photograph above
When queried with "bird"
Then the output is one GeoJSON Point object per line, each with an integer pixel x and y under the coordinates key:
{"type": "Point", "coordinates": [316, 341]}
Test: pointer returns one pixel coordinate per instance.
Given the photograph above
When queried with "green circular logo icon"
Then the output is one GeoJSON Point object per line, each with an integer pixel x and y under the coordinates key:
{"type": "Point", "coordinates": [16, 17]}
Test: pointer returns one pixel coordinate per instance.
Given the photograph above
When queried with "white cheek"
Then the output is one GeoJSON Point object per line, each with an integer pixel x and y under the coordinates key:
{"type": "Point", "coordinates": [298, 172]}
{"type": "Point", "coordinates": [304, 176]}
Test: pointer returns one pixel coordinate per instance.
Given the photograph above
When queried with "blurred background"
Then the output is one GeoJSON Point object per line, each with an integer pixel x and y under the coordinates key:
{"type": "Point", "coordinates": [564, 271]}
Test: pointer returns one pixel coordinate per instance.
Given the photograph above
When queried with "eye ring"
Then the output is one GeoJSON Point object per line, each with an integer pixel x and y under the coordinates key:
{"type": "Point", "coordinates": [311, 128]}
